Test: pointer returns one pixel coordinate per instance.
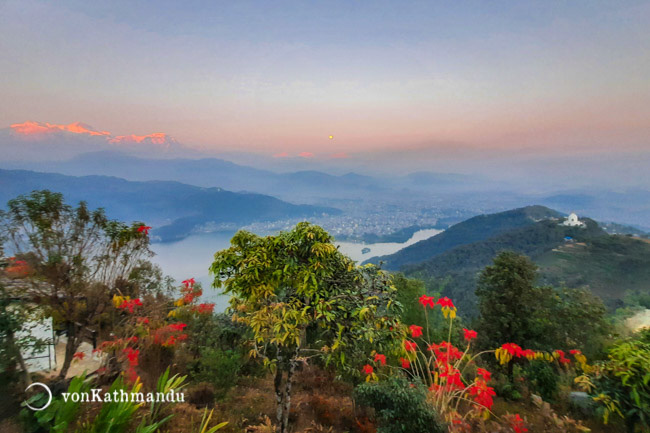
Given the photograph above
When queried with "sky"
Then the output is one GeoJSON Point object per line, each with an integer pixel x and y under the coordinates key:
{"type": "Point", "coordinates": [407, 79]}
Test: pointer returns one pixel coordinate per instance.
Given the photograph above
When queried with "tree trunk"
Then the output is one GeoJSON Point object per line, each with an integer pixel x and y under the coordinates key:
{"type": "Point", "coordinates": [278, 392]}
{"type": "Point", "coordinates": [287, 397]}
{"type": "Point", "coordinates": [70, 348]}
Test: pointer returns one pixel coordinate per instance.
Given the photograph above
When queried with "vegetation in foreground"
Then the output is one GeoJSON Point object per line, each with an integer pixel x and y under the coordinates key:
{"type": "Point", "coordinates": [311, 343]}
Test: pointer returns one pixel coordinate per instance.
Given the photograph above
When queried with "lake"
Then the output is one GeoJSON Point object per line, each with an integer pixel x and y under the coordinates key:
{"type": "Point", "coordinates": [192, 256]}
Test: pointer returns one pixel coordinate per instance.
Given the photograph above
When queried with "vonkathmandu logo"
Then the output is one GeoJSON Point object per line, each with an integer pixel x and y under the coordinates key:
{"type": "Point", "coordinates": [121, 396]}
{"type": "Point", "coordinates": [97, 395]}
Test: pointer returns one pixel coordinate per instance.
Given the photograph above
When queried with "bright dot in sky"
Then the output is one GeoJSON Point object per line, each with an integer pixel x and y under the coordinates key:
{"type": "Point", "coordinates": [331, 137]}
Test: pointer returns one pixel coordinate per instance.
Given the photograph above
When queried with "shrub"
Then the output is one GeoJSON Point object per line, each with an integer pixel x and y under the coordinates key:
{"type": "Point", "coordinates": [399, 407]}
{"type": "Point", "coordinates": [542, 378]}
{"type": "Point", "coordinates": [218, 367]}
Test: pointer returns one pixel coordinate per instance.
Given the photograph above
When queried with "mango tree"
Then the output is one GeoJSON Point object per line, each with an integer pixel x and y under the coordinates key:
{"type": "Point", "coordinates": [303, 299]}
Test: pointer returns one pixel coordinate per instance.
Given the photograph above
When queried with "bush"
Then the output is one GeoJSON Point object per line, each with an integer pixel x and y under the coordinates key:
{"type": "Point", "coordinates": [201, 395]}
{"type": "Point", "coordinates": [399, 407]}
{"type": "Point", "coordinates": [542, 378]}
{"type": "Point", "coordinates": [218, 367]}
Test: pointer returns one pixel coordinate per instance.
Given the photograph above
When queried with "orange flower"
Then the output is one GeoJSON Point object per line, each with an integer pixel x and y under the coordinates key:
{"type": "Point", "coordinates": [79, 356]}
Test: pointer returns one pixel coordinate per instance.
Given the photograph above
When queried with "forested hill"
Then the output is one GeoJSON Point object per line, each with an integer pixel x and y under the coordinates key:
{"type": "Point", "coordinates": [574, 257]}
{"type": "Point", "coordinates": [174, 209]}
{"type": "Point", "coordinates": [472, 230]}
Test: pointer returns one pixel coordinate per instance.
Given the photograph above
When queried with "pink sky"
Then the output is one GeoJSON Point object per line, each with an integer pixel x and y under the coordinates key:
{"type": "Point", "coordinates": [449, 80]}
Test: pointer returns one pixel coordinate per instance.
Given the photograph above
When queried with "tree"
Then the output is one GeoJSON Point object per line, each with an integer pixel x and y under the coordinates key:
{"type": "Point", "coordinates": [78, 257]}
{"type": "Point", "coordinates": [514, 310]}
{"type": "Point", "coordinates": [507, 299]}
{"type": "Point", "coordinates": [302, 298]}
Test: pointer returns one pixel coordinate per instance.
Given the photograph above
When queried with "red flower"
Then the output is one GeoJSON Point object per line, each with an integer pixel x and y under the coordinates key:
{"type": "Point", "coordinates": [410, 346]}
{"type": "Point", "coordinates": [177, 326]}
{"type": "Point", "coordinates": [427, 301]}
{"type": "Point", "coordinates": [513, 349]}
{"type": "Point", "coordinates": [367, 369]}
{"type": "Point", "coordinates": [445, 302]}
{"type": "Point", "coordinates": [144, 229]}
{"type": "Point", "coordinates": [79, 356]}
{"type": "Point", "coordinates": [132, 356]}
{"type": "Point", "coordinates": [517, 424]}
{"type": "Point", "coordinates": [575, 352]}
{"type": "Point", "coordinates": [204, 308]}
{"type": "Point", "coordinates": [188, 283]}
{"type": "Point", "coordinates": [469, 334]}
{"type": "Point", "coordinates": [130, 305]}
{"type": "Point", "coordinates": [482, 394]}
{"type": "Point", "coordinates": [381, 358]}
{"type": "Point", "coordinates": [486, 375]}
{"type": "Point", "coordinates": [144, 320]}
{"type": "Point", "coordinates": [405, 363]}
{"type": "Point", "coordinates": [416, 331]}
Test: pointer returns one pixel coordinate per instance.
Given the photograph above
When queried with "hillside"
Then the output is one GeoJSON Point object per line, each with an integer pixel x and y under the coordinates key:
{"type": "Point", "coordinates": [472, 230]}
{"type": "Point", "coordinates": [174, 209]}
{"type": "Point", "coordinates": [609, 265]}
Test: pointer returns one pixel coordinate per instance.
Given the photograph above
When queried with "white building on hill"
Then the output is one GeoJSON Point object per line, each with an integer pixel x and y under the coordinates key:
{"type": "Point", "coordinates": [573, 221]}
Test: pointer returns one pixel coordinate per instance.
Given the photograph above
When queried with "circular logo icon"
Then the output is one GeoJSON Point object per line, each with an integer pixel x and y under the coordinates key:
{"type": "Point", "coordinates": [49, 393]}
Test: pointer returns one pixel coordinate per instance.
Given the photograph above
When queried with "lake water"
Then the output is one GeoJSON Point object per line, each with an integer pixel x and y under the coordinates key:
{"type": "Point", "coordinates": [192, 256]}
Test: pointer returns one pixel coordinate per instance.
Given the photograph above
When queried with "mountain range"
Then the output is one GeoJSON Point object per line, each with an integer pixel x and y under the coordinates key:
{"type": "Point", "coordinates": [176, 210]}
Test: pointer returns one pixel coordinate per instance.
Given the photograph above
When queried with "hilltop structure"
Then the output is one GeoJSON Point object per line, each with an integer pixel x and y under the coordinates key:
{"type": "Point", "coordinates": [573, 221]}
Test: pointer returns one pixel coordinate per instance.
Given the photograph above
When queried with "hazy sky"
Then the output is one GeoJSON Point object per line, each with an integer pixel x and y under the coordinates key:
{"type": "Point", "coordinates": [448, 77]}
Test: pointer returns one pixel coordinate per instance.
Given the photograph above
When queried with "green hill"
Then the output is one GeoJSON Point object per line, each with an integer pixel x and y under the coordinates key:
{"type": "Point", "coordinates": [608, 265]}
{"type": "Point", "coordinates": [472, 230]}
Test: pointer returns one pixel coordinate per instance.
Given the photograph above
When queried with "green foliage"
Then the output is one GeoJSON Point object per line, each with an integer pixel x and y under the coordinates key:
{"type": "Point", "coordinates": [164, 385]}
{"type": "Point", "coordinates": [542, 378]}
{"type": "Point", "coordinates": [218, 367]}
{"type": "Point", "coordinates": [282, 285]}
{"type": "Point", "coordinates": [622, 383]}
{"type": "Point", "coordinates": [205, 423]}
{"type": "Point", "coordinates": [302, 297]}
{"type": "Point", "coordinates": [399, 407]}
{"type": "Point", "coordinates": [409, 291]}
{"type": "Point", "coordinates": [115, 416]}
{"type": "Point", "coordinates": [507, 301]}
{"type": "Point", "coordinates": [513, 310]}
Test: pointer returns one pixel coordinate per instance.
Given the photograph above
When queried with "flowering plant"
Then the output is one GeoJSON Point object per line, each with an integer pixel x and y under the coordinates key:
{"type": "Point", "coordinates": [459, 390]}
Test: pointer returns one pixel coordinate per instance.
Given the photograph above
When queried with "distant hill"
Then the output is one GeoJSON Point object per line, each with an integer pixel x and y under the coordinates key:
{"type": "Point", "coordinates": [472, 230]}
{"type": "Point", "coordinates": [307, 186]}
{"type": "Point", "coordinates": [174, 209]}
{"type": "Point", "coordinates": [608, 265]}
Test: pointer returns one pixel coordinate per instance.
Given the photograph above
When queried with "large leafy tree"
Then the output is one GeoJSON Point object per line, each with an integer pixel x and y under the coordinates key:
{"type": "Point", "coordinates": [302, 298]}
{"type": "Point", "coordinates": [78, 257]}
{"type": "Point", "coordinates": [507, 300]}
{"type": "Point", "coordinates": [513, 309]}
